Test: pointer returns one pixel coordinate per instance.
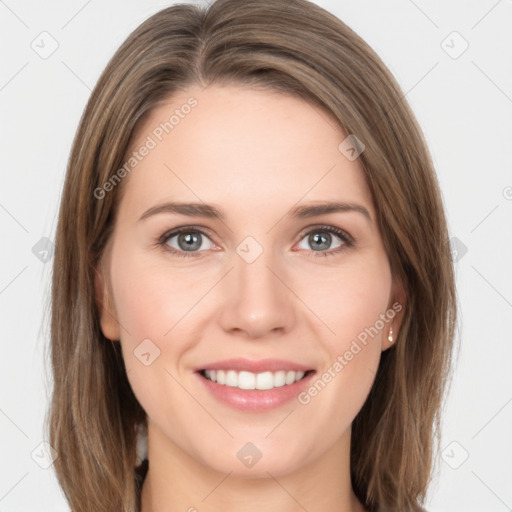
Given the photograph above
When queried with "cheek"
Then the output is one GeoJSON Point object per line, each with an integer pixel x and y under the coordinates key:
{"type": "Point", "coordinates": [352, 300]}
{"type": "Point", "coordinates": [149, 302]}
{"type": "Point", "coordinates": [353, 305]}
{"type": "Point", "coordinates": [149, 298]}
{"type": "Point", "coordinates": [155, 302]}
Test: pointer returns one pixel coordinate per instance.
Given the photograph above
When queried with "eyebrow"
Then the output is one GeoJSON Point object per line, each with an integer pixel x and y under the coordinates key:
{"type": "Point", "coordinates": [212, 212]}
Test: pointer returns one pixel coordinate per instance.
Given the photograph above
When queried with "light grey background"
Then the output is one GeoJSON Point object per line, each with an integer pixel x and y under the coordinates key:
{"type": "Point", "coordinates": [464, 105]}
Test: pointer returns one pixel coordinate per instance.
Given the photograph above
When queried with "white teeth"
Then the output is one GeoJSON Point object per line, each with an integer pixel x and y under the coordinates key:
{"type": "Point", "coordinates": [231, 378]}
{"type": "Point", "coordinates": [249, 380]}
{"type": "Point", "coordinates": [246, 380]}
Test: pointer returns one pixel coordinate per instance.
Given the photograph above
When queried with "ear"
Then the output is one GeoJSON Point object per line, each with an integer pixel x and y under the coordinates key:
{"type": "Point", "coordinates": [397, 306]}
{"type": "Point", "coordinates": [108, 318]}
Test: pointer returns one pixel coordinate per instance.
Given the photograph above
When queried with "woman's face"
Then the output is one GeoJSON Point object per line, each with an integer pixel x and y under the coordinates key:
{"type": "Point", "coordinates": [255, 276]}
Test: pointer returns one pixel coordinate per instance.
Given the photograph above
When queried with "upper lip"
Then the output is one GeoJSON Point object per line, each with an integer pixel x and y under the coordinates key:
{"type": "Point", "coordinates": [253, 366]}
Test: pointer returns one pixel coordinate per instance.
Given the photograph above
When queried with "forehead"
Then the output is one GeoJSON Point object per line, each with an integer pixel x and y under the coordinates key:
{"type": "Point", "coordinates": [242, 148]}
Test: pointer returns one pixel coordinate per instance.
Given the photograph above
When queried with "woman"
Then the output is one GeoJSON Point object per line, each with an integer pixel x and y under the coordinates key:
{"type": "Point", "coordinates": [252, 274]}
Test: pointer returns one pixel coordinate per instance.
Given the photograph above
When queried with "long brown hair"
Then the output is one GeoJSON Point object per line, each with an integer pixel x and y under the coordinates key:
{"type": "Point", "coordinates": [295, 47]}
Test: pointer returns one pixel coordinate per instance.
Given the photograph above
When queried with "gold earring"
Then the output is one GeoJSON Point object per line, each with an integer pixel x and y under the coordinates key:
{"type": "Point", "coordinates": [390, 336]}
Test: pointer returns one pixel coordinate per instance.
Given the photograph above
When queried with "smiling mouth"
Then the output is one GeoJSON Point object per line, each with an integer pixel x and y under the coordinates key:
{"type": "Point", "coordinates": [254, 381]}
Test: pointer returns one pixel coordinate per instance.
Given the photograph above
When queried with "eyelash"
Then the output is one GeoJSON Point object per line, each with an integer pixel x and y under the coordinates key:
{"type": "Point", "coordinates": [348, 240]}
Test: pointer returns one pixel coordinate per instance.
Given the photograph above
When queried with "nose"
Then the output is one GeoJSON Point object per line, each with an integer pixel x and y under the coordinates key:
{"type": "Point", "coordinates": [256, 299]}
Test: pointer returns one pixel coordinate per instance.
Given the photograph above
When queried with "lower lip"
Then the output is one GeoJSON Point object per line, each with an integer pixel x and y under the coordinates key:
{"type": "Point", "coordinates": [255, 400]}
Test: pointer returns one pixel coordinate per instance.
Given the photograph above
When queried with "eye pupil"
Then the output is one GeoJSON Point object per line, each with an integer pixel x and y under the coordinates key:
{"type": "Point", "coordinates": [323, 240]}
{"type": "Point", "coordinates": [190, 241]}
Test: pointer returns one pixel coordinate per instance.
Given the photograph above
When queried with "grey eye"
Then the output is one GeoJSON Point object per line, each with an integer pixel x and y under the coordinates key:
{"type": "Point", "coordinates": [189, 241]}
{"type": "Point", "coordinates": [320, 240]}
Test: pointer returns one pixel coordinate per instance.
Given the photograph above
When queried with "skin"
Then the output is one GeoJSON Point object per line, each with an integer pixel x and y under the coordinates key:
{"type": "Point", "coordinates": [255, 155]}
